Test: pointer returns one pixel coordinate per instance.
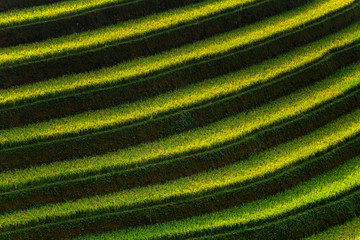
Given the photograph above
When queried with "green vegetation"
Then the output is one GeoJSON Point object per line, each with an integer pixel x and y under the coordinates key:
{"type": "Point", "coordinates": [114, 33]}
{"type": "Point", "coordinates": [278, 110]}
{"type": "Point", "coordinates": [219, 86]}
{"type": "Point", "coordinates": [203, 138]}
{"type": "Point", "coordinates": [291, 155]}
{"type": "Point", "coordinates": [51, 11]}
{"type": "Point", "coordinates": [329, 185]}
{"type": "Point", "coordinates": [348, 231]}
{"type": "Point", "coordinates": [156, 22]}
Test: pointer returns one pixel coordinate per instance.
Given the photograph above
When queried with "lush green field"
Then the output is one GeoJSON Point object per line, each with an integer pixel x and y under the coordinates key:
{"type": "Point", "coordinates": [318, 189]}
{"type": "Point", "coordinates": [350, 230]}
{"type": "Point", "coordinates": [142, 26]}
{"type": "Point", "coordinates": [144, 154]}
{"type": "Point", "coordinates": [204, 138]}
{"type": "Point", "coordinates": [269, 150]}
{"type": "Point", "coordinates": [278, 110]}
{"type": "Point", "coordinates": [46, 12]}
{"type": "Point", "coordinates": [225, 84]}
{"type": "Point", "coordinates": [255, 167]}
{"type": "Point", "coordinates": [126, 30]}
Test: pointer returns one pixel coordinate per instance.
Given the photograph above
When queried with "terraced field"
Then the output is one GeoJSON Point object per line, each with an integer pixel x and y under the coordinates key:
{"type": "Point", "coordinates": [180, 119]}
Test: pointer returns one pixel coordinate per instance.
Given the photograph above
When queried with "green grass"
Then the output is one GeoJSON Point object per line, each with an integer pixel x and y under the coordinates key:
{"type": "Point", "coordinates": [348, 231]}
{"type": "Point", "coordinates": [124, 72]}
{"type": "Point", "coordinates": [286, 157]}
{"type": "Point", "coordinates": [203, 138]}
{"type": "Point", "coordinates": [256, 166]}
{"type": "Point", "coordinates": [117, 32]}
{"type": "Point", "coordinates": [332, 183]}
{"type": "Point", "coordinates": [123, 114]}
{"type": "Point", "coordinates": [51, 11]}
{"type": "Point", "coordinates": [328, 185]}
{"type": "Point", "coordinates": [125, 30]}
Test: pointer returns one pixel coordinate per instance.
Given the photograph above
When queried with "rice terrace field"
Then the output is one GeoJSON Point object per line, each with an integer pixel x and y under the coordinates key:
{"type": "Point", "coordinates": [180, 119]}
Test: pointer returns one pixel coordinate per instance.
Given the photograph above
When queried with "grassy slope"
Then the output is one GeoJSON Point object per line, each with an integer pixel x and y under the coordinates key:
{"type": "Point", "coordinates": [102, 119]}
{"type": "Point", "coordinates": [331, 184]}
{"type": "Point", "coordinates": [126, 71]}
{"type": "Point", "coordinates": [348, 231]}
{"type": "Point", "coordinates": [123, 30]}
{"type": "Point", "coordinates": [203, 138]}
{"type": "Point", "coordinates": [256, 166]}
{"type": "Point", "coordinates": [47, 12]}
{"type": "Point", "coordinates": [156, 22]}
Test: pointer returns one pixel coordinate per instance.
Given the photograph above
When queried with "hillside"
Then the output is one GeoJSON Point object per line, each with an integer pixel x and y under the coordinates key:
{"type": "Point", "coordinates": [180, 119]}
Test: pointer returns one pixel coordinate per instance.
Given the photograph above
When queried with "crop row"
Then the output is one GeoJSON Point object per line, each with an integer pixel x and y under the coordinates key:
{"type": "Point", "coordinates": [256, 167]}
{"type": "Point", "coordinates": [47, 12]}
{"type": "Point", "coordinates": [307, 194]}
{"type": "Point", "coordinates": [231, 134]}
{"type": "Point", "coordinates": [238, 39]}
{"type": "Point", "coordinates": [239, 125]}
{"type": "Point", "coordinates": [327, 186]}
{"type": "Point", "coordinates": [16, 4]}
{"type": "Point", "coordinates": [186, 141]}
{"type": "Point", "coordinates": [352, 70]}
{"type": "Point", "coordinates": [299, 225]}
{"type": "Point", "coordinates": [153, 107]}
{"type": "Point", "coordinates": [124, 30]}
{"type": "Point", "coordinates": [248, 134]}
{"type": "Point", "coordinates": [350, 230]}
{"type": "Point", "coordinates": [67, 17]}
{"type": "Point", "coordinates": [315, 54]}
